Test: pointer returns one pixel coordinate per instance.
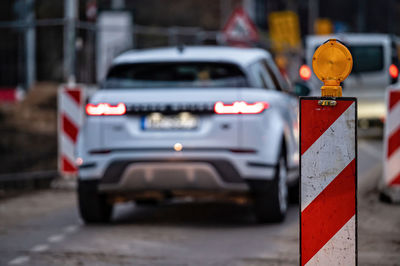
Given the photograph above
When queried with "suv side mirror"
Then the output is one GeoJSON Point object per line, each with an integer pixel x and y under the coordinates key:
{"type": "Point", "coordinates": [301, 89]}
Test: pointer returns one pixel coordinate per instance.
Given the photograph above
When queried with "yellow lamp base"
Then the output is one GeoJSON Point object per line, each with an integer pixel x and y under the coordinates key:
{"type": "Point", "coordinates": [331, 91]}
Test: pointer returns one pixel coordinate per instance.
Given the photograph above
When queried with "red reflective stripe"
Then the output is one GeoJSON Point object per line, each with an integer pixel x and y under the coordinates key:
{"type": "Point", "coordinates": [394, 99]}
{"type": "Point", "coordinates": [69, 128]}
{"type": "Point", "coordinates": [8, 95]}
{"type": "Point", "coordinates": [67, 166]}
{"type": "Point", "coordinates": [393, 142]}
{"type": "Point", "coordinates": [75, 95]}
{"type": "Point", "coordinates": [316, 119]}
{"type": "Point", "coordinates": [395, 181]}
{"type": "Point", "coordinates": [328, 213]}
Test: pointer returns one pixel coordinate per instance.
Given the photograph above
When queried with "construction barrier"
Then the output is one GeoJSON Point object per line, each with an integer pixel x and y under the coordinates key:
{"type": "Point", "coordinates": [328, 177]}
{"type": "Point", "coordinates": [11, 95]}
{"type": "Point", "coordinates": [70, 119]}
{"type": "Point", "coordinates": [391, 163]}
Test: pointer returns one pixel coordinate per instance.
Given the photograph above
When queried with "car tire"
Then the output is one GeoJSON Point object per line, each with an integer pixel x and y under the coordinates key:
{"type": "Point", "coordinates": [93, 206]}
{"type": "Point", "coordinates": [271, 197]}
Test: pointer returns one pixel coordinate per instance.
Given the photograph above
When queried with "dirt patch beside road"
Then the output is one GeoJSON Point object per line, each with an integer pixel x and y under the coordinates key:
{"type": "Point", "coordinates": [28, 139]}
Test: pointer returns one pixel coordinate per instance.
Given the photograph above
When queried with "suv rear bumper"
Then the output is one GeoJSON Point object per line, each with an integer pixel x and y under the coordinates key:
{"type": "Point", "coordinates": [141, 175]}
{"type": "Point", "coordinates": [202, 170]}
{"type": "Point", "coordinates": [161, 174]}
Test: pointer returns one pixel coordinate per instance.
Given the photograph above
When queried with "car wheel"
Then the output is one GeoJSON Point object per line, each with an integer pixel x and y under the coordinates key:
{"type": "Point", "coordinates": [93, 207]}
{"type": "Point", "coordinates": [271, 197]}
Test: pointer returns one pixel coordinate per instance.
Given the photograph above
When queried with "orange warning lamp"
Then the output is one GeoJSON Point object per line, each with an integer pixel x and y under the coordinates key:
{"type": "Point", "coordinates": [332, 63]}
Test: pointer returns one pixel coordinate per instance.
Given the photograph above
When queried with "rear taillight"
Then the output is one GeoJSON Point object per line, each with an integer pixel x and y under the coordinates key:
{"type": "Point", "coordinates": [393, 71]}
{"type": "Point", "coordinates": [305, 72]}
{"type": "Point", "coordinates": [240, 107]}
{"type": "Point", "coordinates": [105, 109]}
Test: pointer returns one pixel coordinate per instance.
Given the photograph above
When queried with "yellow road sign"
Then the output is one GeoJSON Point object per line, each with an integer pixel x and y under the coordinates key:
{"type": "Point", "coordinates": [323, 26]}
{"type": "Point", "coordinates": [284, 30]}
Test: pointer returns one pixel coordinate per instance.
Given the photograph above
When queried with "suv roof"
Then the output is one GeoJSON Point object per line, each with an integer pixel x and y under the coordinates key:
{"type": "Point", "coordinates": [349, 37]}
{"type": "Point", "coordinates": [239, 56]}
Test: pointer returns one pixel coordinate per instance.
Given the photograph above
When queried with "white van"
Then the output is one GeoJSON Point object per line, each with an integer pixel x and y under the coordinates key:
{"type": "Point", "coordinates": [375, 66]}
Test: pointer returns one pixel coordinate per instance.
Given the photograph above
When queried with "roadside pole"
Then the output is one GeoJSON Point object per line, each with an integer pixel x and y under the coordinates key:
{"type": "Point", "coordinates": [328, 164]}
{"type": "Point", "coordinates": [71, 14]}
{"type": "Point", "coordinates": [30, 45]}
{"type": "Point", "coordinates": [390, 185]}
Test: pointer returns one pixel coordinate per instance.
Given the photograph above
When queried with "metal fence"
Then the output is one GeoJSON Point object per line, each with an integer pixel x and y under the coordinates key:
{"type": "Point", "coordinates": [35, 51]}
{"type": "Point", "coordinates": [12, 59]}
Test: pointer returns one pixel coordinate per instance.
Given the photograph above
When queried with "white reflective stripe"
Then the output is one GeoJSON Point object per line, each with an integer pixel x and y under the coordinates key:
{"type": "Point", "coordinates": [69, 106]}
{"type": "Point", "coordinates": [392, 168]}
{"type": "Point", "coordinates": [67, 148]}
{"type": "Point", "coordinates": [340, 249]}
{"type": "Point", "coordinates": [329, 155]}
{"type": "Point", "coordinates": [393, 119]}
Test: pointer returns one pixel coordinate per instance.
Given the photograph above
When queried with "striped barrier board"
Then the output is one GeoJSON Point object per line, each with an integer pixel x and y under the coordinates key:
{"type": "Point", "coordinates": [392, 146]}
{"type": "Point", "coordinates": [70, 118]}
{"type": "Point", "coordinates": [328, 177]}
{"type": "Point", "coordinates": [11, 95]}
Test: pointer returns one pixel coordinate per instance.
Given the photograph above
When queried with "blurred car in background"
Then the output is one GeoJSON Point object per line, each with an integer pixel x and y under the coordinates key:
{"type": "Point", "coordinates": [375, 67]}
{"type": "Point", "coordinates": [190, 121]}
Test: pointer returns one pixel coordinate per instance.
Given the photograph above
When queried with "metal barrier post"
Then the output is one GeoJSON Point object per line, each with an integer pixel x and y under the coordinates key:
{"type": "Point", "coordinates": [328, 165]}
{"type": "Point", "coordinates": [70, 118]}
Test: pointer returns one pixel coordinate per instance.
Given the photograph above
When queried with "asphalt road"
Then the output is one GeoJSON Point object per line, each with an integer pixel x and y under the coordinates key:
{"type": "Point", "coordinates": [43, 228]}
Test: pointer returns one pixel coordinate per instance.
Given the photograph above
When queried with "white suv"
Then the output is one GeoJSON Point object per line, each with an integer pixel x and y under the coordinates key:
{"type": "Point", "coordinates": [189, 121]}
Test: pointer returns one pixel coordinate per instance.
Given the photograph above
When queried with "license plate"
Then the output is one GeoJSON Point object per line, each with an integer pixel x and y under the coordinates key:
{"type": "Point", "coordinates": [181, 121]}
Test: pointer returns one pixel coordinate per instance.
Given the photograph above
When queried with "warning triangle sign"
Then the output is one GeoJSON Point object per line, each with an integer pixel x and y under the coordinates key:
{"type": "Point", "coordinates": [240, 28]}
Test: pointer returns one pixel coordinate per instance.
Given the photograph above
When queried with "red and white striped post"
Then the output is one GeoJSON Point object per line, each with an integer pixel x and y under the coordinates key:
{"type": "Point", "coordinates": [70, 118]}
{"type": "Point", "coordinates": [328, 167]}
{"type": "Point", "coordinates": [391, 161]}
{"type": "Point", "coordinates": [328, 164]}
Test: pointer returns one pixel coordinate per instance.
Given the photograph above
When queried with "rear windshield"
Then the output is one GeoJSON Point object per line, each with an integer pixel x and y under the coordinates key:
{"type": "Point", "coordinates": [175, 75]}
{"type": "Point", "coordinates": [367, 58]}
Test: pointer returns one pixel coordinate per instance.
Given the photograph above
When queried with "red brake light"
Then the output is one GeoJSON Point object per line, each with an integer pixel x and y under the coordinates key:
{"type": "Point", "coordinates": [105, 109]}
{"type": "Point", "coordinates": [240, 108]}
{"type": "Point", "coordinates": [393, 71]}
{"type": "Point", "coordinates": [305, 72]}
